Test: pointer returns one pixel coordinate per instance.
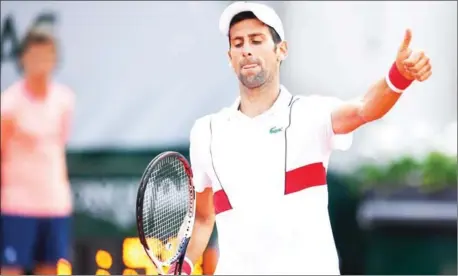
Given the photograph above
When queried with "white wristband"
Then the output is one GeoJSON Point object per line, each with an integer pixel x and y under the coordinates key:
{"type": "Point", "coordinates": [391, 86]}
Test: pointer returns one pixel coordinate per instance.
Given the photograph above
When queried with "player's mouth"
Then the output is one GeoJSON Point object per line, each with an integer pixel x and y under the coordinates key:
{"type": "Point", "coordinates": [249, 66]}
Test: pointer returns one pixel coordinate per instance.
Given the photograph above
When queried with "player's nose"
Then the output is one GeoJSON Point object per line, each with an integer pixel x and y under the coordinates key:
{"type": "Point", "coordinates": [246, 51]}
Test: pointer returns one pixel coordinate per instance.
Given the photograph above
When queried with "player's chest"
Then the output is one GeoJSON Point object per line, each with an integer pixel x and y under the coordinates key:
{"type": "Point", "coordinates": [37, 120]}
{"type": "Point", "coordinates": [250, 160]}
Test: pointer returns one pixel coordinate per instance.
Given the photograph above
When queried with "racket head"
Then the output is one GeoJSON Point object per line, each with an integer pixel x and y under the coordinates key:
{"type": "Point", "coordinates": [167, 170]}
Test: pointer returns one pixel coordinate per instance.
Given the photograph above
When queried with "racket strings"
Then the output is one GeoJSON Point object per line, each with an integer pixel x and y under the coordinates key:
{"type": "Point", "coordinates": [165, 207]}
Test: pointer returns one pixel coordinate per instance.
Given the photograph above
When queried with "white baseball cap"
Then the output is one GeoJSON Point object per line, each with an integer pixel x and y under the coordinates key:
{"type": "Point", "coordinates": [263, 12]}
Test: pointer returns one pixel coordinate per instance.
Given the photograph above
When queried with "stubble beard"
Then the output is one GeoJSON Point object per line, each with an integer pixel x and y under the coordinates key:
{"type": "Point", "coordinates": [253, 81]}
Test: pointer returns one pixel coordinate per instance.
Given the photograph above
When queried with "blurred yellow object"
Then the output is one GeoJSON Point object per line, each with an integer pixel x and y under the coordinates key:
{"type": "Point", "coordinates": [198, 270]}
{"type": "Point", "coordinates": [102, 272]}
{"type": "Point", "coordinates": [103, 259]}
{"type": "Point", "coordinates": [156, 246]}
{"type": "Point", "coordinates": [169, 249]}
{"type": "Point", "coordinates": [134, 255]}
{"type": "Point", "coordinates": [129, 271]}
{"type": "Point", "coordinates": [64, 267]}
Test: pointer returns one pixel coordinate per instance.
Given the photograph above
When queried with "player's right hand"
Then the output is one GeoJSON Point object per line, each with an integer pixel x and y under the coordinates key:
{"type": "Point", "coordinates": [412, 64]}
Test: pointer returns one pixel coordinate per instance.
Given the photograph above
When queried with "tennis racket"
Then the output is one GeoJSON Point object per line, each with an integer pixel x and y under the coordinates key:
{"type": "Point", "coordinates": [165, 211]}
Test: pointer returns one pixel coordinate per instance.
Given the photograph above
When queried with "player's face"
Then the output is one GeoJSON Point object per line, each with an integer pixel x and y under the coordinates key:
{"type": "Point", "coordinates": [253, 53]}
{"type": "Point", "coordinates": [39, 60]}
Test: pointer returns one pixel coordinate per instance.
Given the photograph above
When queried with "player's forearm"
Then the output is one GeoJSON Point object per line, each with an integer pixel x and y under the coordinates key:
{"type": "Point", "coordinates": [378, 100]}
{"type": "Point", "coordinates": [203, 228]}
{"type": "Point", "coordinates": [374, 104]}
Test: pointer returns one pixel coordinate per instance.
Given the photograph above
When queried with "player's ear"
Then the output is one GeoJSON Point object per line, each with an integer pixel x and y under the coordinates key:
{"type": "Point", "coordinates": [282, 51]}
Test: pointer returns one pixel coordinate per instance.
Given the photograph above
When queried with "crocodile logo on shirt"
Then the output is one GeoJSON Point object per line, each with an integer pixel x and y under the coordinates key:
{"type": "Point", "coordinates": [274, 130]}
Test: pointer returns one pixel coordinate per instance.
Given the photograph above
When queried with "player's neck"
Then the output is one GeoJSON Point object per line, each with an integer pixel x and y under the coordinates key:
{"type": "Point", "coordinates": [254, 102]}
{"type": "Point", "coordinates": [36, 86]}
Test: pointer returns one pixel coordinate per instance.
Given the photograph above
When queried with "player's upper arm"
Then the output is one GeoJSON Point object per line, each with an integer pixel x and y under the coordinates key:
{"type": "Point", "coordinates": [204, 205]}
{"type": "Point", "coordinates": [336, 114]}
{"type": "Point", "coordinates": [346, 116]}
{"type": "Point", "coordinates": [199, 152]}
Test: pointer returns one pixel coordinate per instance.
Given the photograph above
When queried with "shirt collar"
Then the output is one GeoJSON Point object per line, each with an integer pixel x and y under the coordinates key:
{"type": "Point", "coordinates": [283, 100]}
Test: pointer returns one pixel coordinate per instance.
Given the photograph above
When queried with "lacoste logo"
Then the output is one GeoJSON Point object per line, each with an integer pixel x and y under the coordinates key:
{"type": "Point", "coordinates": [274, 130]}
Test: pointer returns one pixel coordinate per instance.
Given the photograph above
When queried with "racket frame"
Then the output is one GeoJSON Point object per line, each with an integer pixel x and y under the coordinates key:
{"type": "Point", "coordinates": [190, 215]}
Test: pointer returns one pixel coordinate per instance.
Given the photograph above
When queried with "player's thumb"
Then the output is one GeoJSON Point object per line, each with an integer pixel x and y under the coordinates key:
{"type": "Point", "coordinates": [406, 41]}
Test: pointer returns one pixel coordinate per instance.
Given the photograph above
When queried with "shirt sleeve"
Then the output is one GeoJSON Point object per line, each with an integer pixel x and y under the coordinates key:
{"type": "Point", "coordinates": [334, 141]}
{"type": "Point", "coordinates": [199, 152]}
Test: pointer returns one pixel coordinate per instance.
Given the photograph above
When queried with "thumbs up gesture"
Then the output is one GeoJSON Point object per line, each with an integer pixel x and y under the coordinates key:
{"type": "Point", "coordinates": [413, 65]}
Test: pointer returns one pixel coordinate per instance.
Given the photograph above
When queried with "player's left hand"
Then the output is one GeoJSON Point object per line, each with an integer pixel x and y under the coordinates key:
{"type": "Point", "coordinates": [413, 65]}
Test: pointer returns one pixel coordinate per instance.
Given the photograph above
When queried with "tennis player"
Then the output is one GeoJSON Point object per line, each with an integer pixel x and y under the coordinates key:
{"type": "Point", "coordinates": [36, 200]}
{"type": "Point", "coordinates": [260, 165]}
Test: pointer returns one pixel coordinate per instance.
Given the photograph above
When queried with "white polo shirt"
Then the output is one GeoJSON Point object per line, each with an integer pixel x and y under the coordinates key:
{"type": "Point", "coordinates": [268, 176]}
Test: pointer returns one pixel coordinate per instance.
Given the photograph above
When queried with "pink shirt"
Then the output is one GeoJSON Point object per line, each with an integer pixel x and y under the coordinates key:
{"type": "Point", "coordinates": [34, 173]}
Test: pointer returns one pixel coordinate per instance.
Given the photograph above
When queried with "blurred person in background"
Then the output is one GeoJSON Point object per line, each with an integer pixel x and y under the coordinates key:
{"type": "Point", "coordinates": [36, 200]}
